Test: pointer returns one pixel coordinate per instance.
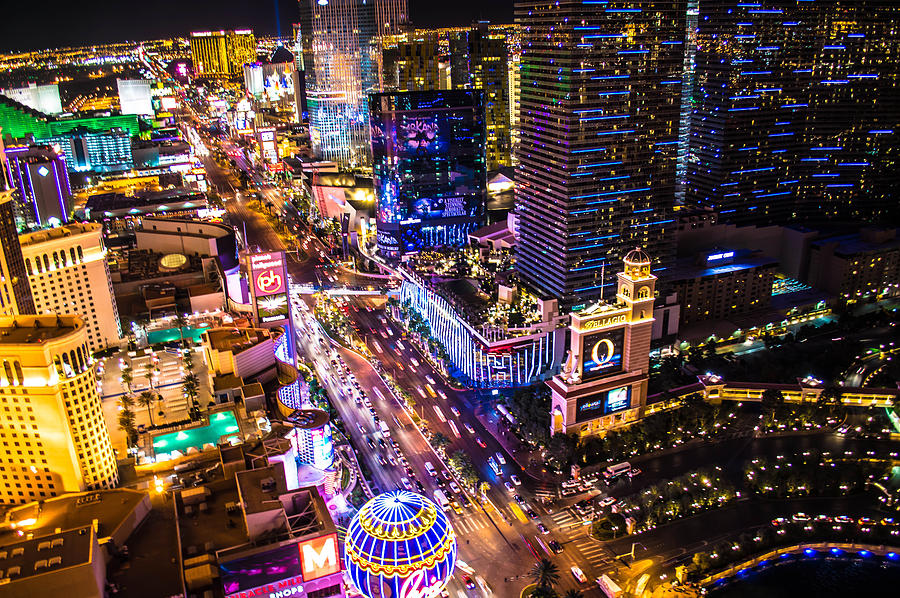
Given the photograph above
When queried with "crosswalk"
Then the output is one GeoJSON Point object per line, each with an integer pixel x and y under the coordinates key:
{"type": "Point", "coordinates": [592, 551]}
{"type": "Point", "coordinates": [468, 523]}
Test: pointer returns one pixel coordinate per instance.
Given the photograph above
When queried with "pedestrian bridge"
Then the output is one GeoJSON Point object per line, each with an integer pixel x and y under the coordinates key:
{"type": "Point", "coordinates": [308, 289]}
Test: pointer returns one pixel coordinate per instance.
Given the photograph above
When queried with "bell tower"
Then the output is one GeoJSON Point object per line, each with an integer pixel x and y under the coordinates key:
{"type": "Point", "coordinates": [603, 384]}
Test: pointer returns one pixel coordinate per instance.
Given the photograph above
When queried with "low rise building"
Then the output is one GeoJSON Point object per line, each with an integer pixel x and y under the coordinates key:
{"type": "Point", "coordinates": [721, 284]}
{"type": "Point", "coordinates": [856, 266]}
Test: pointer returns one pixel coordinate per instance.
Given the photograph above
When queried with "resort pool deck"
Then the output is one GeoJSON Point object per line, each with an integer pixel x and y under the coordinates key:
{"type": "Point", "coordinates": [220, 424]}
{"type": "Point", "coordinates": [170, 335]}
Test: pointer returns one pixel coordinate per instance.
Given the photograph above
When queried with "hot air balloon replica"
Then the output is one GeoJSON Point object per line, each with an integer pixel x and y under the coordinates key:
{"type": "Point", "coordinates": [400, 545]}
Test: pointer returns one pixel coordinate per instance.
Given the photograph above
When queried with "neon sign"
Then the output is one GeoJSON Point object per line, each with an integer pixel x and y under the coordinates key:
{"type": "Point", "coordinates": [719, 256]}
{"type": "Point", "coordinates": [269, 282]}
{"type": "Point", "coordinates": [417, 586]}
{"type": "Point", "coordinates": [319, 557]}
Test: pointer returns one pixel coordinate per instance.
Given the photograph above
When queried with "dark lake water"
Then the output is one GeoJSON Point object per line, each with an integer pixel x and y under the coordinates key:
{"type": "Point", "coordinates": [820, 578]}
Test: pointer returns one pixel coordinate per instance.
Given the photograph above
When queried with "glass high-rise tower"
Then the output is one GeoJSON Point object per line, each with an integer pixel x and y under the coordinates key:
{"type": "Point", "coordinates": [795, 109]}
{"type": "Point", "coordinates": [599, 121]}
{"type": "Point", "coordinates": [341, 56]}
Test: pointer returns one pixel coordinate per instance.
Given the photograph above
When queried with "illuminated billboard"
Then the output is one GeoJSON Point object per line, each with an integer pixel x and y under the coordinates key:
{"type": "Point", "coordinates": [429, 165]}
{"type": "Point", "coordinates": [602, 353]}
{"type": "Point", "coordinates": [268, 274]}
{"type": "Point", "coordinates": [319, 557]}
{"type": "Point", "coordinates": [257, 575]}
{"type": "Point", "coordinates": [269, 286]}
{"type": "Point", "coordinates": [612, 401]}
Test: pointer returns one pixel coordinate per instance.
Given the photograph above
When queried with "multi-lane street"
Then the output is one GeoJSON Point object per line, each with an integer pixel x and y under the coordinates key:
{"type": "Point", "coordinates": [503, 536]}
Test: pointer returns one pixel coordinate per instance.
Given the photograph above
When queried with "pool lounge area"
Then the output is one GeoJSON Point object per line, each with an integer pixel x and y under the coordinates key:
{"type": "Point", "coordinates": [221, 427]}
{"type": "Point", "coordinates": [170, 335]}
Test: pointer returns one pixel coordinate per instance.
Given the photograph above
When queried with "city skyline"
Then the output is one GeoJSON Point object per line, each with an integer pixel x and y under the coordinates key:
{"type": "Point", "coordinates": [105, 22]}
{"type": "Point", "coordinates": [600, 300]}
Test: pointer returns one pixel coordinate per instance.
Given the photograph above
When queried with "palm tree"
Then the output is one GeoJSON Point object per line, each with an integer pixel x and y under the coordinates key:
{"type": "Point", "coordinates": [145, 399]}
{"type": "Point", "coordinates": [544, 573]}
{"type": "Point", "coordinates": [126, 424]}
{"type": "Point", "coordinates": [126, 402]}
{"type": "Point", "coordinates": [148, 374]}
{"type": "Point", "coordinates": [127, 377]}
{"type": "Point", "coordinates": [439, 441]}
{"type": "Point", "coordinates": [181, 322]}
{"type": "Point", "coordinates": [572, 593]}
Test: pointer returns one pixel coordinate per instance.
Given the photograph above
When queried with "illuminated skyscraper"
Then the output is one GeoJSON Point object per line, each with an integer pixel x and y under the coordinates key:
{"type": "Point", "coordinates": [15, 292]}
{"type": "Point", "coordinates": [340, 72]}
{"type": "Point", "coordinates": [599, 113]}
{"type": "Point", "coordinates": [222, 54]}
{"type": "Point", "coordinates": [68, 274]}
{"type": "Point", "coordinates": [54, 437]}
{"type": "Point", "coordinates": [480, 61]}
{"type": "Point", "coordinates": [795, 109]}
{"type": "Point", "coordinates": [341, 54]}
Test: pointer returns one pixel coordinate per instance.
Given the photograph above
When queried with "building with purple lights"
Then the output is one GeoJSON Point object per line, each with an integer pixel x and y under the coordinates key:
{"type": "Point", "coordinates": [39, 174]}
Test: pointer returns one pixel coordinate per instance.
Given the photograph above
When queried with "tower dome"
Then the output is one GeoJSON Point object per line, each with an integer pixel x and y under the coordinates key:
{"type": "Point", "coordinates": [637, 257]}
{"type": "Point", "coordinates": [398, 542]}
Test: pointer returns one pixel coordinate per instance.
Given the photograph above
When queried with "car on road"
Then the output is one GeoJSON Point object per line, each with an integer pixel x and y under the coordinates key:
{"type": "Point", "coordinates": [800, 517]}
{"type": "Point", "coordinates": [464, 500]}
{"type": "Point", "coordinates": [515, 480]}
{"type": "Point", "coordinates": [543, 529]}
{"type": "Point", "coordinates": [480, 442]}
{"type": "Point", "coordinates": [446, 475]}
{"type": "Point", "coordinates": [442, 394]}
{"type": "Point", "coordinates": [469, 428]}
{"type": "Point", "coordinates": [454, 411]}
{"type": "Point", "coordinates": [406, 484]}
{"type": "Point", "coordinates": [634, 472]}
{"type": "Point", "coordinates": [382, 443]}
{"type": "Point", "coordinates": [843, 519]}
{"type": "Point", "coordinates": [414, 361]}
{"type": "Point", "coordinates": [578, 574]}
{"type": "Point", "coordinates": [469, 583]}
{"type": "Point", "coordinates": [454, 488]}
{"type": "Point", "coordinates": [532, 514]}
{"type": "Point", "coordinates": [371, 443]}
{"type": "Point", "coordinates": [420, 487]}
{"type": "Point", "coordinates": [382, 460]}
{"type": "Point", "coordinates": [509, 487]}
{"type": "Point", "coordinates": [429, 379]}
{"type": "Point", "coordinates": [362, 430]}
{"type": "Point", "coordinates": [391, 459]}
{"type": "Point", "coordinates": [609, 500]}
{"type": "Point", "coordinates": [555, 546]}
{"type": "Point", "coordinates": [518, 498]}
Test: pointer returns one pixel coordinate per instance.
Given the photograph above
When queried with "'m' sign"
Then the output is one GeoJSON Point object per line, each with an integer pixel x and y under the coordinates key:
{"type": "Point", "coordinates": [319, 557]}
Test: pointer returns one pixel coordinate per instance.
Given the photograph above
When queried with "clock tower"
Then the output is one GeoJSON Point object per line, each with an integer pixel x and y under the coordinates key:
{"type": "Point", "coordinates": [603, 383]}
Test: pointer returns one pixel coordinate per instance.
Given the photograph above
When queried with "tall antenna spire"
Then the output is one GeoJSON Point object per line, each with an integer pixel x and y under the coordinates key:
{"type": "Point", "coordinates": [602, 278]}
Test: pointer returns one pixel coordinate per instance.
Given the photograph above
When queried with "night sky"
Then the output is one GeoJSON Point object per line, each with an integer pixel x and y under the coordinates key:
{"type": "Point", "coordinates": [33, 24]}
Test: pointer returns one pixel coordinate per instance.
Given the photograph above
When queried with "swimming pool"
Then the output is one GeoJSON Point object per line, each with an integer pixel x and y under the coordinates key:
{"type": "Point", "coordinates": [169, 335]}
{"type": "Point", "coordinates": [221, 424]}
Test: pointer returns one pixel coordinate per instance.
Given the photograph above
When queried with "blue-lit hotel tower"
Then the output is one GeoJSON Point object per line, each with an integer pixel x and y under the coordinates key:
{"type": "Point", "coordinates": [795, 109]}
{"type": "Point", "coordinates": [600, 103]}
{"type": "Point", "coordinates": [428, 157]}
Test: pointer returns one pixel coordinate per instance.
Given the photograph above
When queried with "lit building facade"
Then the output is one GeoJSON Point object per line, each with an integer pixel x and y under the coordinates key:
{"type": "Point", "coordinates": [603, 383]}
{"type": "Point", "coordinates": [429, 168]}
{"type": "Point", "coordinates": [599, 113]}
{"type": "Point", "coordinates": [484, 356]}
{"type": "Point", "coordinates": [15, 292]}
{"type": "Point", "coordinates": [54, 414]}
{"type": "Point", "coordinates": [480, 61]}
{"type": "Point", "coordinates": [795, 105]}
{"type": "Point", "coordinates": [40, 174]}
{"type": "Point", "coordinates": [68, 274]}
{"type": "Point", "coordinates": [340, 59]}
{"type": "Point", "coordinates": [222, 54]}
